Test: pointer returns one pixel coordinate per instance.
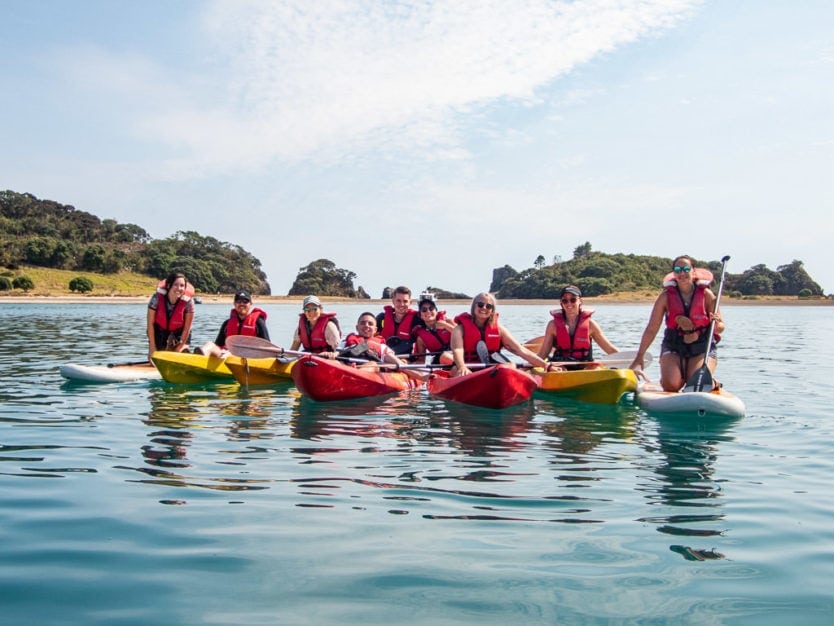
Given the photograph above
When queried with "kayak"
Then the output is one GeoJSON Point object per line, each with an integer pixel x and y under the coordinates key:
{"type": "Point", "coordinates": [260, 371]}
{"type": "Point", "coordinates": [717, 403]}
{"type": "Point", "coordinates": [109, 373]}
{"type": "Point", "coordinates": [185, 368]}
{"type": "Point", "coordinates": [325, 380]}
{"type": "Point", "coordinates": [494, 387]}
{"type": "Point", "coordinates": [599, 386]}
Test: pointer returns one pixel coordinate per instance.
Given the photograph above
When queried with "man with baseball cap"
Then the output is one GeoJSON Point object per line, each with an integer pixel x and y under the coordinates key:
{"type": "Point", "coordinates": [243, 320]}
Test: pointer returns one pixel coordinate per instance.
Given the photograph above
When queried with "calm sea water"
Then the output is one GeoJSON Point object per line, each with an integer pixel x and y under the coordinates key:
{"type": "Point", "coordinates": [150, 503]}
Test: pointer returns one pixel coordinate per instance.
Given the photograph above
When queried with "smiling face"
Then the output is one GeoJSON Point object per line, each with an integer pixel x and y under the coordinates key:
{"type": "Point", "coordinates": [428, 313]}
{"type": "Point", "coordinates": [570, 302]}
{"type": "Point", "coordinates": [312, 312]}
{"type": "Point", "coordinates": [366, 325]}
{"type": "Point", "coordinates": [682, 267]}
{"type": "Point", "coordinates": [242, 306]}
{"type": "Point", "coordinates": [483, 308]}
{"type": "Point", "coordinates": [177, 289]}
{"type": "Point", "coordinates": [400, 302]}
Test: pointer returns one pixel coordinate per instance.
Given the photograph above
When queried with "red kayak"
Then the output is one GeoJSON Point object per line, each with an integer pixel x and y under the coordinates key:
{"type": "Point", "coordinates": [324, 380]}
{"type": "Point", "coordinates": [495, 387]}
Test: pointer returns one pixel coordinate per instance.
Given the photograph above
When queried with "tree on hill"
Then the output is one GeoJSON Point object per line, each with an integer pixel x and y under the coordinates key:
{"type": "Point", "coordinates": [323, 278]}
{"type": "Point", "coordinates": [49, 234]}
{"type": "Point", "coordinates": [598, 273]}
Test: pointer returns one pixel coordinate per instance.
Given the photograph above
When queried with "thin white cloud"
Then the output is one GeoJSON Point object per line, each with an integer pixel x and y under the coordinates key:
{"type": "Point", "coordinates": [338, 79]}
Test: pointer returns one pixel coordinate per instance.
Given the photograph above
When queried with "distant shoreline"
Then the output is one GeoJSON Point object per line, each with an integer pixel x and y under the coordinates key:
{"type": "Point", "coordinates": [618, 299]}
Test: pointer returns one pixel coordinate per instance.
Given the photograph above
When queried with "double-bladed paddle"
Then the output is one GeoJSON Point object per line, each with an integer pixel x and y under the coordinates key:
{"type": "Point", "coordinates": [256, 348]}
{"type": "Point", "coordinates": [703, 377]}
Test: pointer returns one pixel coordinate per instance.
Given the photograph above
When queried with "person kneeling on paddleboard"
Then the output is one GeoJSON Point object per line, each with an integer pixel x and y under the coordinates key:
{"type": "Point", "coordinates": [687, 306]}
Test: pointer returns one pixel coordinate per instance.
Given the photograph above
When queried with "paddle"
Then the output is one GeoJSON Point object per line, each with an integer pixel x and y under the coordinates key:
{"type": "Point", "coordinates": [703, 377]}
{"type": "Point", "coordinates": [129, 363]}
{"type": "Point", "coordinates": [615, 359]}
{"type": "Point", "coordinates": [256, 347]}
{"type": "Point", "coordinates": [489, 358]}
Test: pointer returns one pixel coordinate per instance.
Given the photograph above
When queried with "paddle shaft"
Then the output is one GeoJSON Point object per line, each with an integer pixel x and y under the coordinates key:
{"type": "Point", "coordinates": [129, 364]}
{"type": "Point", "coordinates": [703, 375]}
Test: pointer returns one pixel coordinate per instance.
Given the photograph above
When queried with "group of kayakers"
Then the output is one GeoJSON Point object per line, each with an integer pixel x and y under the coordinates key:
{"type": "Point", "coordinates": [401, 334]}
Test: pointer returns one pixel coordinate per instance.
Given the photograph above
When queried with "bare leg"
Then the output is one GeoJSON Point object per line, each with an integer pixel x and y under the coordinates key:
{"type": "Point", "coordinates": [671, 377]}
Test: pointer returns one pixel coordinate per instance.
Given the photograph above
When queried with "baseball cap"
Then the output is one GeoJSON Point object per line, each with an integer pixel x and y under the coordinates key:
{"type": "Point", "coordinates": [243, 295]}
{"type": "Point", "coordinates": [311, 300]}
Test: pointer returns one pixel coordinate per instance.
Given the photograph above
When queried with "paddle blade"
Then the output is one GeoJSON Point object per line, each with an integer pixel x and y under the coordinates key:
{"type": "Point", "coordinates": [498, 357]}
{"type": "Point", "coordinates": [482, 351]}
{"type": "Point", "coordinates": [699, 380]}
{"type": "Point", "coordinates": [251, 347]}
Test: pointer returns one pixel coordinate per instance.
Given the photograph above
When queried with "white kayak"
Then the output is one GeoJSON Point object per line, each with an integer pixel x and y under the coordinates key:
{"type": "Point", "coordinates": [109, 373]}
{"type": "Point", "coordinates": [718, 403]}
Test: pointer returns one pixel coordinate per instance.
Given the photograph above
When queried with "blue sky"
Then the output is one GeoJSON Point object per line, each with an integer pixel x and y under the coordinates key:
{"type": "Point", "coordinates": [426, 143]}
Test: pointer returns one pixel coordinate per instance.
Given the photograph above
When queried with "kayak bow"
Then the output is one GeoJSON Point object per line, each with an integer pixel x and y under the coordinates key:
{"type": "Point", "coordinates": [494, 387]}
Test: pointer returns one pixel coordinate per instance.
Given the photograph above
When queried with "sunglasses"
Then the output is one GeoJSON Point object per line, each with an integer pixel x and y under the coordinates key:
{"type": "Point", "coordinates": [686, 268]}
{"type": "Point", "coordinates": [485, 305]}
{"type": "Point", "coordinates": [566, 300]}
{"type": "Point", "coordinates": [310, 309]}
{"type": "Point", "coordinates": [426, 309]}
{"type": "Point", "coordinates": [242, 301]}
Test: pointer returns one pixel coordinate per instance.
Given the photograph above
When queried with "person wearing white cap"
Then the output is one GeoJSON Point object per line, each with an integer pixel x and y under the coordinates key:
{"type": "Point", "coordinates": [569, 334]}
{"type": "Point", "coordinates": [244, 319]}
{"type": "Point", "coordinates": [317, 331]}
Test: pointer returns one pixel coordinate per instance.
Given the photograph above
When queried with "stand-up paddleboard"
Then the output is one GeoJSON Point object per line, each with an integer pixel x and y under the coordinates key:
{"type": "Point", "coordinates": [718, 403]}
{"type": "Point", "coordinates": [109, 373]}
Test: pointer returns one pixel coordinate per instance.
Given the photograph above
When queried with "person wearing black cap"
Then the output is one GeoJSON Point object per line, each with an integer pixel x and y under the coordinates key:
{"type": "Point", "coordinates": [569, 335]}
{"type": "Point", "coordinates": [244, 319]}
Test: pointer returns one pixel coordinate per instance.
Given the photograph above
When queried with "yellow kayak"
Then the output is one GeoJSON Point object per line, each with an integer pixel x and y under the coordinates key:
{"type": "Point", "coordinates": [260, 371]}
{"type": "Point", "coordinates": [187, 369]}
{"type": "Point", "coordinates": [599, 386]}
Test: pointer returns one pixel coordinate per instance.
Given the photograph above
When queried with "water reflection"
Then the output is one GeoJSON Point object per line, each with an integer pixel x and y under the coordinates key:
{"type": "Point", "coordinates": [580, 427]}
{"type": "Point", "coordinates": [485, 432]}
{"type": "Point", "coordinates": [687, 450]}
{"type": "Point", "coordinates": [179, 417]}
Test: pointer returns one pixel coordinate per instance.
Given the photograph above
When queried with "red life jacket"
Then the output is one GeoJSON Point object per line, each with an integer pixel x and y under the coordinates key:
{"type": "Point", "coordinates": [391, 328]}
{"type": "Point", "coordinates": [249, 326]}
{"type": "Point", "coordinates": [437, 339]}
{"type": "Point", "coordinates": [577, 347]}
{"type": "Point", "coordinates": [491, 335]}
{"type": "Point", "coordinates": [697, 310]}
{"type": "Point", "coordinates": [315, 341]}
{"type": "Point", "coordinates": [177, 319]}
{"type": "Point", "coordinates": [375, 343]}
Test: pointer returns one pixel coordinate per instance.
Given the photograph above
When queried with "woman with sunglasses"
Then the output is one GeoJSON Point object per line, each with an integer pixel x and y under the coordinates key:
{"type": "Point", "coordinates": [317, 332]}
{"type": "Point", "coordinates": [569, 335]}
{"type": "Point", "coordinates": [481, 325]}
{"type": "Point", "coordinates": [434, 334]}
{"type": "Point", "coordinates": [687, 306]}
